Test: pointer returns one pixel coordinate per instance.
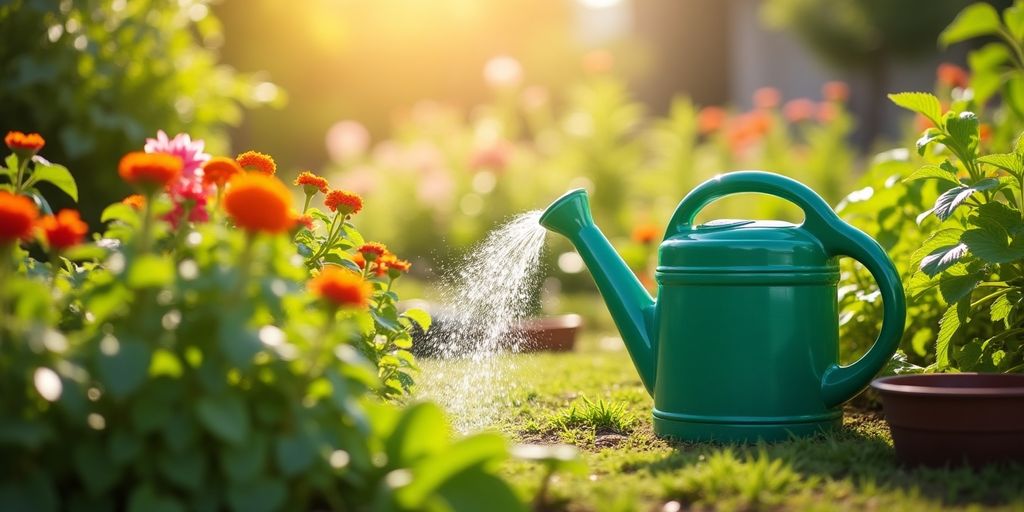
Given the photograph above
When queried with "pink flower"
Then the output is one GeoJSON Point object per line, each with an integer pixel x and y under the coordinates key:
{"type": "Point", "coordinates": [347, 140]}
{"type": "Point", "coordinates": [182, 146]}
{"type": "Point", "coordinates": [189, 187]}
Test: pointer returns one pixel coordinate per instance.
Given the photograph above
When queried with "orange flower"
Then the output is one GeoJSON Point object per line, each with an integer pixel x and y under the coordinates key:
{"type": "Point", "coordinates": [835, 91]}
{"type": "Point", "coordinates": [767, 97]}
{"type": "Point", "coordinates": [311, 183]}
{"type": "Point", "coordinates": [256, 161]}
{"type": "Point", "coordinates": [259, 203]}
{"type": "Point", "coordinates": [801, 109]}
{"type": "Point", "coordinates": [136, 201]}
{"type": "Point", "coordinates": [17, 217]}
{"type": "Point", "coordinates": [985, 132]}
{"type": "Point", "coordinates": [219, 170]}
{"type": "Point", "coordinates": [341, 287]}
{"type": "Point", "coordinates": [827, 112]}
{"type": "Point", "coordinates": [391, 262]}
{"type": "Point", "coordinates": [149, 169]}
{"type": "Point", "coordinates": [64, 230]}
{"type": "Point", "coordinates": [24, 144]}
{"type": "Point", "coordinates": [644, 233]}
{"type": "Point", "coordinates": [345, 202]}
{"type": "Point", "coordinates": [359, 260]}
{"type": "Point", "coordinates": [711, 119]}
{"type": "Point", "coordinates": [952, 75]}
{"type": "Point", "coordinates": [372, 250]}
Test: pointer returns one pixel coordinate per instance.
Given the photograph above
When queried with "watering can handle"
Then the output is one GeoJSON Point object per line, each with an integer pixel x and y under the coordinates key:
{"type": "Point", "coordinates": [839, 383]}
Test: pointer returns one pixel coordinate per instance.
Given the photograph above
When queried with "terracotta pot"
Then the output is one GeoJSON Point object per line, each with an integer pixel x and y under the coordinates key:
{"type": "Point", "coordinates": [954, 418]}
{"type": "Point", "coordinates": [552, 334]}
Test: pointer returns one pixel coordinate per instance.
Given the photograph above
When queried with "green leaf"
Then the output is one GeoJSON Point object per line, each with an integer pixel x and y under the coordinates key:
{"type": "Point", "coordinates": [421, 430]}
{"type": "Point", "coordinates": [930, 135]}
{"type": "Point", "coordinates": [55, 174]}
{"type": "Point", "coordinates": [123, 445]}
{"type": "Point", "coordinates": [948, 327]}
{"type": "Point", "coordinates": [421, 317]}
{"type": "Point", "coordinates": [477, 490]}
{"type": "Point", "coordinates": [383, 322]}
{"type": "Point", "coordinates": [1001, 308]}
{"type": "Point", "coordinates": [433, 472]}
{"type": "Point", "coordinates": [956, 287]}
{"type": "Point", "coordinates": [123, 365]}
{"type": "Point", "coordinates": [403, 340]}
{"type": "Point", "coordinates": [224, 416]}
{"type": "Point", "coordinates": [294, 453]}
{"type": "Point", "coordinates": [120, 212]}
{"type": "Point", "coordinates": [923, 103]}
{"type": "Point", "coordinates": [94, 467]}
{"type": "Point", "coordinates": [942, 258]}
{"type": "Point", "coordinates": [243, 463]}
{"type": "Point", "coordinates": [186, 469]}
{"type": "Point", "coordinates": [237, 341]}
{"type": "Point", "coordinates": [1013, 94]}
{"type": "Point", "coordinates": [151, 271]}
{"type": "Point", "coordinates": [931, 171]}
{"type": "Point", "coordinates": [990, 242]}
{"type": "Point", "coordinates": [146, 499]}
{"type": "Point", "coordinates": [259, 495]}
{"type": "Point", "coordinates": [1013, 18]}
{"type": "Point", "coordinates": [950, 200]}
{"type": "Point", "coordinates": [1009, 162]}
{"type": "Point", "coordinates": [963, 129]}
{"type": "Point", "coordinates": [976, 20]}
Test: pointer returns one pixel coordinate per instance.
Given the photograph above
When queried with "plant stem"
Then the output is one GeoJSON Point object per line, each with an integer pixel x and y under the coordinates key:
{"type": "Point", "coordinates": [245, 265]}
{"type": "Point", "coordinates": [22, 166]}
{"type": "Point", "coordinates": [147, 223]}
{"type": "Point", "coordinates": [305, 206]}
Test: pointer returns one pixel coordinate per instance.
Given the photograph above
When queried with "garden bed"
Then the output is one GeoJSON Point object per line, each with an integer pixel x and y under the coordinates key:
{"type": "Point", "coordinates": [631, 469]}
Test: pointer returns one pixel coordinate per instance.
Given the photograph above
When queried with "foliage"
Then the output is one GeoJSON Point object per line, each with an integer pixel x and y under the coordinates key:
{"type": "Point", "coordinates": [459, 174]}
{"type": "Point", "coordinates": [187, 367]}
{"type": "Point", "coordinates": [136, 67]}
{"type": "Point", "coordinates": [599, 416]}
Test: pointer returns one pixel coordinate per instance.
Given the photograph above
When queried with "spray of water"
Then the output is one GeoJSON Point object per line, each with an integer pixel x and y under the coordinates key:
{"type": "Point", "coordinates": [484, 299]}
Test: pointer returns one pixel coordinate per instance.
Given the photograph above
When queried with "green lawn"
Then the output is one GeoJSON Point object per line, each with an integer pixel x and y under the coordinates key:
{"type": "Point", "coordinates": [631, 469]}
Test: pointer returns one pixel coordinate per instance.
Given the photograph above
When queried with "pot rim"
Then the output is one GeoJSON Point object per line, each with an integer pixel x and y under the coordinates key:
{"type": "Point", "coordinates": [892, 385]}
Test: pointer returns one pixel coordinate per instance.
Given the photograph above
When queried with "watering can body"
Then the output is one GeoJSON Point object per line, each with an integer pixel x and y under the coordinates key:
{"type": "Point", "coordinates": [742, 341]}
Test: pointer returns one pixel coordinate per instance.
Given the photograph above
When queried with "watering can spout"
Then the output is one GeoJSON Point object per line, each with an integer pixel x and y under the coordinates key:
{"type": "Point", "coordinates": [632, 308]}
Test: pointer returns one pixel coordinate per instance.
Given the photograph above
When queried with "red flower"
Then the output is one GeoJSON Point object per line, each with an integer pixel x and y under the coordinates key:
{"type": "Point", "coordinates": [711, 119]}
{"type": "Point", "coordinates": [371, 251]}
{"type": "Point", "coordinates": [149, 169]}
{"type": "Point", "coordinates": [64, 230]}
{"type": "Point", "coordinates": [24, 144]}
{"type": "Point", "coordinates": [17, 217]}
{"type": "Point", "coordinates": [767, 98]}
{"type": "Point", "coordinates": [952, 75]}
{"type": "Point", "coordinates": [835, 91]}
{"type": "Point", "coordinates": [799, 110]}
{"type": "Point", "coordinates": [305, 221]}
{"type": "Point", "coordinates": [311, 183]}
{"type": "Point", "coordinates": [347, 203]}
{"type": "Point", "coordinates": [391, 263]}
{"type": "Point", "coordinates": [256, 161]}
{"type": "Point", "coordinates": [341, 287]}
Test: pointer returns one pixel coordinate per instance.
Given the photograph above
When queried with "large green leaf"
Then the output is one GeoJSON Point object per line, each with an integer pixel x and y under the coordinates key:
{"type": "Point", "coordinates": [956, 287]}
{"type": "Point", "coordinates": [421, 317]}
{"type": "Point", "coordinates": [294, 453]}
{"type": "Point", "coordinates": [923, 103]}
{"type": "Point", "coordinates": [942, 258]}
{"type": "Point", "coordinates": [243, 463]}
{"type": "Point", "coordinates": [964, 131]}
{"type": "Point", "coordinates": [185, 469]}
{"type": "Point", "coordinates": [976, 20]}
{"type": "Point", "coordinates": [224, 416]}
{"type": "Point", "coordinates": [433, 472]}
{"type": "Point", "coordinates": [1013, 18]}
{"type": "Point", "coordinates": [1009, 162]}
{"type": "Point", "coordinates": [421, 430]}
{"type": "Point", "coordinates": [948, 327]}
{"type": "Point", "coordinates": [259, 495]}
{"type": "Point", "coordinates": [1001, 308]}
{"type": "Point", "coordinates": [57, 175]}
{"type": "Point", "coordinates": [945, 172]}
{"type": "Point", "coordinates": [990, 242]}
{"type": "Point", "coordinates": [477, 490]}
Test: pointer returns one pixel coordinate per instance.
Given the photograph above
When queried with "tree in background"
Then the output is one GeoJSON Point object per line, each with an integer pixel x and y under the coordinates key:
{"type": "Point", "coordinates": [97, 76]}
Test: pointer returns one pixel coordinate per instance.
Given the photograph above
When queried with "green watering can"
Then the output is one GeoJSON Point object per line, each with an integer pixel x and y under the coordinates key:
{"type": "Point", "coordinates": [742, 342]}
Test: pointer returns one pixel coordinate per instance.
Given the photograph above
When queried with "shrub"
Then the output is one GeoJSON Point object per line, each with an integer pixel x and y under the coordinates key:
{"type": "Point", "coordinates": [184, 364]}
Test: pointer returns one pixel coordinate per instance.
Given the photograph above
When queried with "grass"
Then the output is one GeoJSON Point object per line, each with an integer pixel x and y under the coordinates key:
{"type": "Point", "coordinates": [593, 399]}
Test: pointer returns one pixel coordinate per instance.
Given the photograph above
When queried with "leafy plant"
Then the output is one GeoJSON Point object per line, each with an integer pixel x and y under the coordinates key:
{"type": "Point", "coordinates": [194, 365]}
{"type": "Point", "coordinates": [974, 257]}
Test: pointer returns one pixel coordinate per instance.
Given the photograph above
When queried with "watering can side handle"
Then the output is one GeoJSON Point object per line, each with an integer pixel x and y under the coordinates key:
{"type": "Point", "coordinates": [816, 210]}
{"type": "Point", "coordinates": [841, 383]}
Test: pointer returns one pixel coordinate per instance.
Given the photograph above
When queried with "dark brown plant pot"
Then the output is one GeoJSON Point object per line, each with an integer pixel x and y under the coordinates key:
{"type": "Point", "coordinates": [551, 334]}
{"type": "Point", "coordinates": [955, 418]}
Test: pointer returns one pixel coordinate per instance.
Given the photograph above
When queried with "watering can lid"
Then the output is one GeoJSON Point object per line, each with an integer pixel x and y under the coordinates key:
{"type": "Point", "coordinates": [744, 246]}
